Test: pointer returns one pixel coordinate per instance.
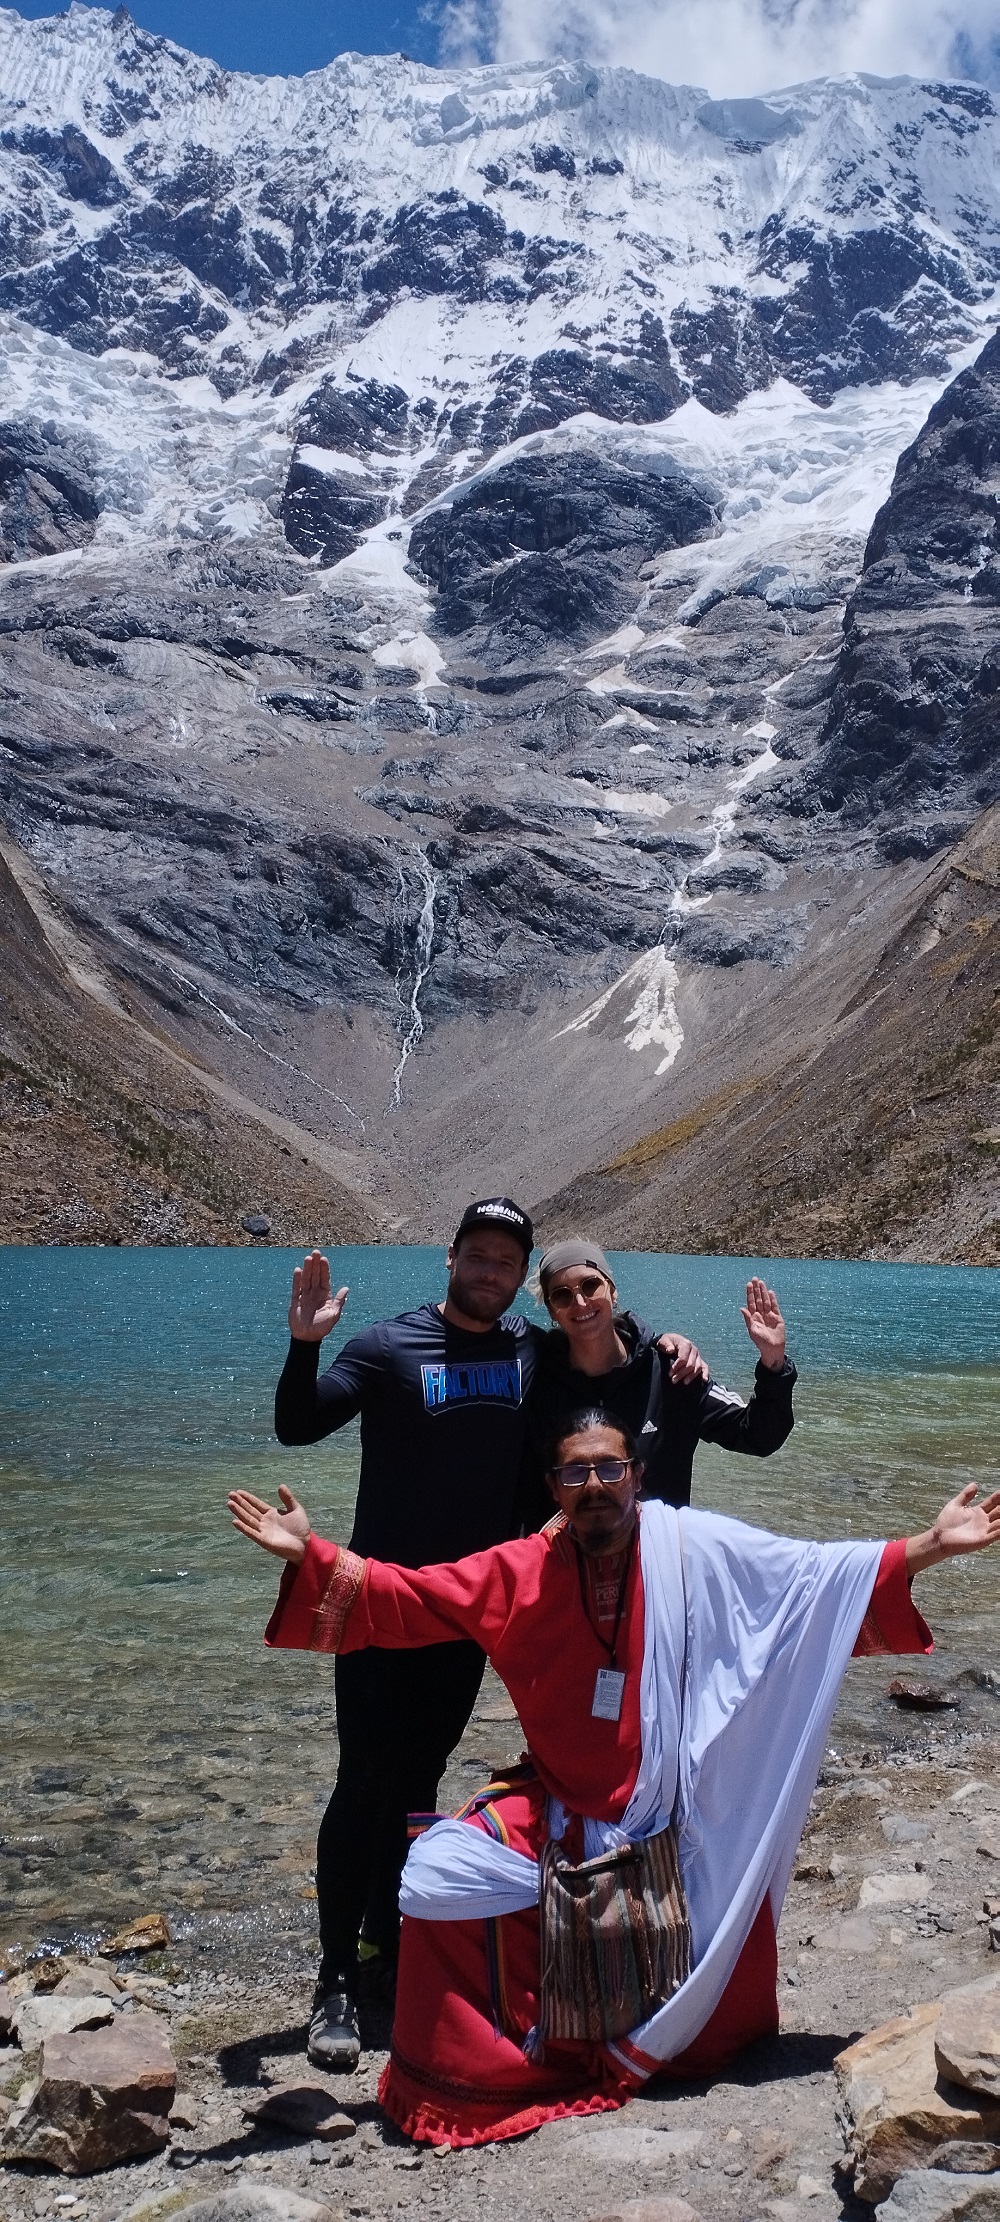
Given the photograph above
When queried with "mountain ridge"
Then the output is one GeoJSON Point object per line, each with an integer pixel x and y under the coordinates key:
{"type": "Point", "coordinates": [430, 503]}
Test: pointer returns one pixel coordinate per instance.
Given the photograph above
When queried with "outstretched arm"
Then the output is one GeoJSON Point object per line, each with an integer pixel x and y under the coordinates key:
{"type": "Point", "coordinates": [892, 1623]}
{"type": "Point", "coordinates": [962, 1526]}
{"type": "Point", "coordinates": [332, 1600]}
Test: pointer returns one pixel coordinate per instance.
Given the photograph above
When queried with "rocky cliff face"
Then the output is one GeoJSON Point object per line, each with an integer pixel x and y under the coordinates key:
{"type": "Point", "coordinates": [429, 506]}
{"type": "Point", "coordinates": [914, 721]}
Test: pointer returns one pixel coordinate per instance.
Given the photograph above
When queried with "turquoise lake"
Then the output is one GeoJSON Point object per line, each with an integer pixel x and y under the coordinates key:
{"type": "Point", "coordinates": [152, 1753]}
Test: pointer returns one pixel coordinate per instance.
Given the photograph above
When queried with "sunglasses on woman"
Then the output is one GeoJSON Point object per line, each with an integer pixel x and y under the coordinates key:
{"type": "Point", "coordinates": [560, 1299]}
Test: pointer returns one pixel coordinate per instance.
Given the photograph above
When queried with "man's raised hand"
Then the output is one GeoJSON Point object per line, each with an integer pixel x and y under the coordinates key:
{"type": "Point", "coordinates": [765, 1325]}
{"type": "Point", "coordinates": [284, 1533]}
{"type": "Point", "coordinates": [961, 1526]}
{"type": "Point", "coordinates": [314, 1308]}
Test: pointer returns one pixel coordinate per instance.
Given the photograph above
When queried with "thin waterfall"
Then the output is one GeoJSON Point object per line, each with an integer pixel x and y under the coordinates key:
{"type": "Point", "coordinates": [422, 943]}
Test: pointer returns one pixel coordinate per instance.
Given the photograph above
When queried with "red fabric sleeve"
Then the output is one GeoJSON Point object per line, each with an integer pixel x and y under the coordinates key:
{"type": "Point", "coordinates": [336, 1601]}
{"type": "Point", "coordinates": [892, 1622]}
{"type": "Point", "coordinates": [315, 1600]}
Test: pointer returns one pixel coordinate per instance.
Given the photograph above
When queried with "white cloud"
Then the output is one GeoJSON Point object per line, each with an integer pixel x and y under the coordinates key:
{"type": "Point", "coordinates": [735, 47]}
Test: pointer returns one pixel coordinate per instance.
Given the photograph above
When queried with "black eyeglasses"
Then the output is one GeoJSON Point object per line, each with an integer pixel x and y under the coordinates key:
{"type": "Point", "coordinates": [577, 1473]}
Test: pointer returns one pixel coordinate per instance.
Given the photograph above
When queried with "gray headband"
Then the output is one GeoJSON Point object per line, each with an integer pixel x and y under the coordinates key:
{"type": "Point", "coordinates": [576, 1250]}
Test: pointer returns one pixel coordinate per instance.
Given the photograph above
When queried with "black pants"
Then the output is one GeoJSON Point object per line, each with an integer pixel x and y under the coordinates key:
{"type": "Point", "coordinates": [399, 1716]}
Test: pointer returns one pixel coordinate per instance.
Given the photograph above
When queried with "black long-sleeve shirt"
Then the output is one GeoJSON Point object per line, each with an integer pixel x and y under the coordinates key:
{"type": "Point", "coordinates": [443, 1418]}
{"type": "Point", "coordinates": [667, 1419]}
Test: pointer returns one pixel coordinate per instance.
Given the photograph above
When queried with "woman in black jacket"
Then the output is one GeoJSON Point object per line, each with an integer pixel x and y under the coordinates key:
{"type": "Point", "coordinates": [598, 1354]}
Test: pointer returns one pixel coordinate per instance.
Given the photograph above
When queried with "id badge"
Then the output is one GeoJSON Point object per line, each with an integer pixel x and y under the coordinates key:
{"type": "Point", "coordinates": [608, 1688]}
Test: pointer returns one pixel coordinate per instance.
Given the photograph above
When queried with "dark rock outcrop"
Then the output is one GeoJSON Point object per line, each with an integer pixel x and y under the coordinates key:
{"type": "Point", "coordinates": [548, 544]}
{"type": "Point", "coordinates": [914, 729]}
{"type": "Point", "coordinates": [48, 494]}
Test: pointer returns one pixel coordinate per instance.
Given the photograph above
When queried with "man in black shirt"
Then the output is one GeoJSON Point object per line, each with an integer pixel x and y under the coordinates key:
{"type": "Point", "coordinates": [442, 1393]}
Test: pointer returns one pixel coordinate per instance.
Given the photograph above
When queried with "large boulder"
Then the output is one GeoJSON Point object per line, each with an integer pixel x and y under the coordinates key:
{"type": "Point", "coordinates": [967, 2039]}
{"type": "Point", "coordinates": [102, 2096]}
{"type": "Point", "coordinates": [896, 2107]}
{"type": "Point", "coordinates": [928, 2195]}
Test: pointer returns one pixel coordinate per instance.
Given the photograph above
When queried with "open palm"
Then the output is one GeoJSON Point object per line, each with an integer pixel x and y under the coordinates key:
{"type": "Point", "coordinates": [963, 1526]}
{"type": "Point", "coordinates": [764, 1323]}
{"type": "Point", "coordinates": [283, 1533]}
{"type": "Point", "coordinates": [314, 1308]}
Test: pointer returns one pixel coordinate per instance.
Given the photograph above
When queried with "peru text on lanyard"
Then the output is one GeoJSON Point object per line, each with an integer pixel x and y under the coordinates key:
{"type": "Point", "coordinates": [608, 1691]}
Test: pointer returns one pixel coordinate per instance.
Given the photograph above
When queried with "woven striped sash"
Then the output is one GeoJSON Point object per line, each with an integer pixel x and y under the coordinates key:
{"type": "Point", "coordinates": [616, 1939]}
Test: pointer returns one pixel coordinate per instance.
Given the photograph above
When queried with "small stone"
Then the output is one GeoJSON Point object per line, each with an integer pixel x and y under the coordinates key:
{"type": "Point", "coordinates": [185, 2112]}
{"type": "Point", "coordinates": [305, 2108]}
{"type": "Point", "coordinates": [813, 1871]}
{"type": "Point", "coordinates": [151, 1933]}
{"type": "Point", "coordinates": [808, 2188]}
{"type": "Point", "coordinates": [894, 1890]}
{"type": "Point", "coordinates": [902, 1828]}
{"type": "Point", "coordinates": [253, 2202]}
{"type": "Point", "coordinates": [232, 2167]}
{"type": "Point", "coordinates": [966, 2159]}
{"type": "Point", "coordinates": [441, 2152]}
{"type": "Point", "coordinates": [923, 1697]}
{"type": "Point", "coordinates": [256, 1223]}
{"type": "Point", "coordinates": [410, 2160]}
{"type": "Point", "coordinates": [648, 2210]}
{"type": "Point", "coordinates": [320, 2156]}
{"type": "Point", "coordinates": [769, 2153]}
{"type": "Point", "coordinates": [989, 1846]}
{"type": "Point", "coordinates": [733, 2136]}
{"type": "Point", "coordinates": [181, 2159]}
{"type": "Point", "coordinates": [967, 2039]}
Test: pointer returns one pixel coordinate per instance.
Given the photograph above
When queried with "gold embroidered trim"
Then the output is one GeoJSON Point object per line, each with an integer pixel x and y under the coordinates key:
{"type": "Point", "coordinates": [337, 1602]}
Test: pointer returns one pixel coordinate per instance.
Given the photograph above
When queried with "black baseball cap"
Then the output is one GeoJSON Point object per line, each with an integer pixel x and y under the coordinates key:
{"type": "Point", "coordinates": [502, 1215]}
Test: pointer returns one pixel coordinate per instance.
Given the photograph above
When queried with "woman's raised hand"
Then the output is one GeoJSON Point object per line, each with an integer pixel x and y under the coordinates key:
{"type": "Point", "coordinates": [314, 1308]}
{"type": "Point", "coordinates": [765, 1325]}
{"type": "Point", "coordinates": [961, 1526]}
{"type": "Point", "coordinates": [284, 1533]}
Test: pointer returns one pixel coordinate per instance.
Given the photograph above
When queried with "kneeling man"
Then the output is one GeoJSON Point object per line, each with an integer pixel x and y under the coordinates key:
{"type": "Point", "coordinates": [607, 1911]}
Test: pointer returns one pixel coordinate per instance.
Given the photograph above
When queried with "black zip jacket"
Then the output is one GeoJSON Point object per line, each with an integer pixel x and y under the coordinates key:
{"type": "Point", "coordinates": [668, 1421]}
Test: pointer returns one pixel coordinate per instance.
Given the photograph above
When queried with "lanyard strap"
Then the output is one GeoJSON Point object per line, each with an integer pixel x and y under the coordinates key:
{"type": "Point", "coordinates": [612, 1647]}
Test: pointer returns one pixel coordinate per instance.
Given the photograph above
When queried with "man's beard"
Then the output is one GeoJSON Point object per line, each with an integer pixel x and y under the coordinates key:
{"type": "Point", "coordinates": [474, 1302]}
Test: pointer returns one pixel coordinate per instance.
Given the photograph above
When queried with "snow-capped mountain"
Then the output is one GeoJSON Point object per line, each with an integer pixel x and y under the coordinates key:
{"type": "Point", "coordinates": [428, 507]}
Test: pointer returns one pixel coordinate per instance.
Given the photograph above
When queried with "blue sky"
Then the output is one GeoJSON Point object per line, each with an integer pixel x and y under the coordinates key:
{"type": "Point", "coordinates": [729, 46]}
{"type": "Point", "coordinates": [285, 36]}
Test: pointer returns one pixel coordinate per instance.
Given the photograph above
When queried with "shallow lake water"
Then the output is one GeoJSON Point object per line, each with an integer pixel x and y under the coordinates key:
{"type": "Point", "coordinates": [152, 1752]}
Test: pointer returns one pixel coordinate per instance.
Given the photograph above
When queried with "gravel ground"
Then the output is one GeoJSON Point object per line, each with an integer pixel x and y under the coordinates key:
{"type": "Point", "coordinates": [761, 2142]}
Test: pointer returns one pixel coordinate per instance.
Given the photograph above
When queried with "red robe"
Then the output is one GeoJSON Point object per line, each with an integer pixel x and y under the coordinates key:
{"type": "Point", "coordinates": [467, 1992]}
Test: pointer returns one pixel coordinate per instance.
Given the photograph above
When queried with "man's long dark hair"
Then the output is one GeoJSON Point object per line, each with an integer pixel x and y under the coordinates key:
{"type": "Point", "coordinates": [585, 1416]}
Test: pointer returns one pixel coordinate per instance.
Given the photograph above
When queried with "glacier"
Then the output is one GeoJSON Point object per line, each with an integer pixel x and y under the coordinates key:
{"type": "Point", "coordinates": [431, 501]}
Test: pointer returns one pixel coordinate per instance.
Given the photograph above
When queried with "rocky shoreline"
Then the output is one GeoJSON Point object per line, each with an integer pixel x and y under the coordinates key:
{"type": "Point", "coordinates": [894, 1906]}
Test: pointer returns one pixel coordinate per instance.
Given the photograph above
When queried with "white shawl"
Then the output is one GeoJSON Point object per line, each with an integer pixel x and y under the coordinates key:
{"type": "Point", "coordinates": [746, 1639]}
